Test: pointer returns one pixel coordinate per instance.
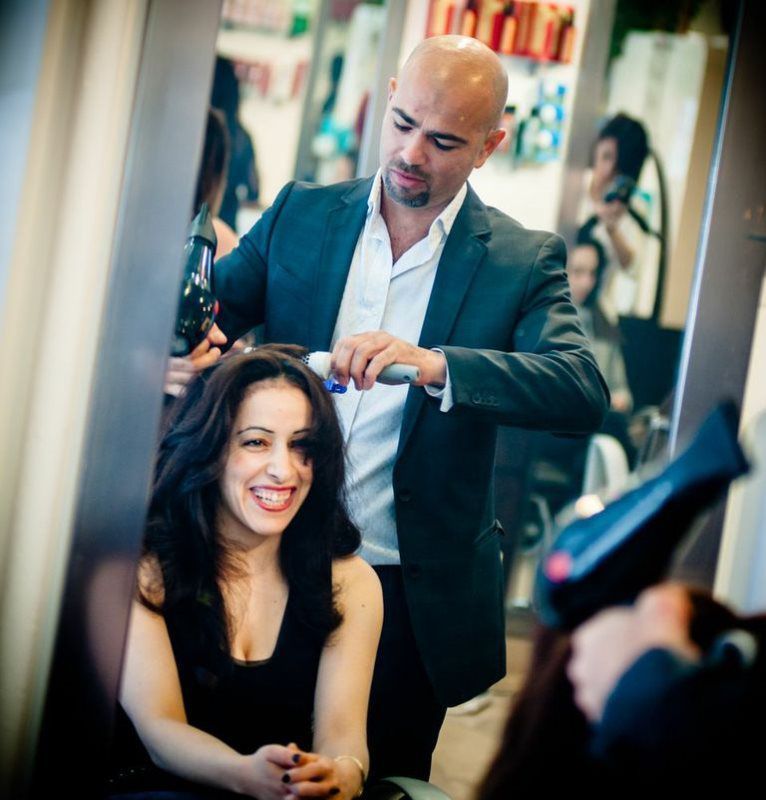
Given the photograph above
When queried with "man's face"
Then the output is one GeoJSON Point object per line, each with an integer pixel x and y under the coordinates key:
{"type": "Point", "coordinates": [432, 140]}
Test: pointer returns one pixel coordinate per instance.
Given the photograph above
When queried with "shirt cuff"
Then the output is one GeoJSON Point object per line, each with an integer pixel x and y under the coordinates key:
{"type": "Point", "coordinates": [445, 393]}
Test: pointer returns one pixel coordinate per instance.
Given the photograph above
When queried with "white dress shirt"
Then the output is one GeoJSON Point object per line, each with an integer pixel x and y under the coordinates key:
{"type": "Point", "coordinates": [381, 295]}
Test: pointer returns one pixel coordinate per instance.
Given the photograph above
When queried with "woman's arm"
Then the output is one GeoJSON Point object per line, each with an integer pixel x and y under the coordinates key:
{"type": "Point", "coordinates": [151, 695]}
{"type": "Point", "coordinates": [343, 687]}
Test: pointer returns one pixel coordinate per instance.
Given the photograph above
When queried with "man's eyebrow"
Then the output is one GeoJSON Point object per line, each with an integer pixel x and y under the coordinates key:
{"type": "Point", "coordinates": [450, 137]}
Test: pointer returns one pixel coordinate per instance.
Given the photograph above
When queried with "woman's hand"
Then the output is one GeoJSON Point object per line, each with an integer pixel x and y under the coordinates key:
{"type": "Point", "coordinates": [316, 775]}
{"type": "Point", "coordinates": [604, 647]}
{"type": "Point", "coordinates": [262, 773]}
{"type": "Point", "coordinates": [610, 213]}
{"type": "Point", "coordinates": [621, 401]}
{"type": "Point", "coordinates": [182, 370]}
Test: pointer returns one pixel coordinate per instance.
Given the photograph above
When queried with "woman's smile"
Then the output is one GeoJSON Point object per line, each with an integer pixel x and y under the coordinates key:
{"type": "Point", "coordinates": [273, 498]}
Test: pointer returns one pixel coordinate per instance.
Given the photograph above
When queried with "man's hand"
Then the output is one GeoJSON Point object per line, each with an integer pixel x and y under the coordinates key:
{"type": "Point", "coordinates": [605, 646]}
{"type": "Point", "coordinates": [181, 370]}
{"type": "Point", "coordinates": [364, 356]}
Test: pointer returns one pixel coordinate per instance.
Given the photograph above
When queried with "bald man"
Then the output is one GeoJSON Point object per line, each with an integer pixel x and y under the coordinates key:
{"type": "Point", "coordinates": [410, 267]}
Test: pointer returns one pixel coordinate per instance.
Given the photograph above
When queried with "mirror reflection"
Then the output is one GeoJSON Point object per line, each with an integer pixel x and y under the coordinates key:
{"type": "Point", "coordinates": [387, 267]}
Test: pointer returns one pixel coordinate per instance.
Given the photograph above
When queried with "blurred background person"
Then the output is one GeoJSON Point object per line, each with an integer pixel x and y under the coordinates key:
{"type": "Point", "coordinates": [558, 464]}
{"type": "Point", "coordinates": [637, 699]}
{"type": "Point", "coordinates": [585, 270]}
{"type": "Point", "coordinates": [242, 183]}
{"type": "Point", "coordinates": [619, 152]}
{"type": "Point", "coordinates": [211, 180]}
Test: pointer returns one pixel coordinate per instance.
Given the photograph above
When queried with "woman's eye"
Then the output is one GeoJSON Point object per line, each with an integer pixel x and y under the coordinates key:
{"type": "Point", "coordinates": [400, 127]}
{"type": "Point", "coordinates": [255, 443]}
{"type": "Point", "coordinates": [301, 444]}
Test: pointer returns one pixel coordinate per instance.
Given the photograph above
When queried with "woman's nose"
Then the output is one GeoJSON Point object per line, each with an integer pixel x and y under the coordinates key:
{"type": "Point", "coordinates": [279, 463]}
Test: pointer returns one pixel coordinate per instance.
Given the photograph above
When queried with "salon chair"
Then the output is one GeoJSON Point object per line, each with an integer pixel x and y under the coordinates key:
{"type": "Point", "coordinates": [404, 789]}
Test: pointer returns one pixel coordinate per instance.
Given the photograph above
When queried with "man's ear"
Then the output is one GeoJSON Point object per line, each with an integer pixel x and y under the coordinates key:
{"type": "Point", "coordinates": [490, 145]}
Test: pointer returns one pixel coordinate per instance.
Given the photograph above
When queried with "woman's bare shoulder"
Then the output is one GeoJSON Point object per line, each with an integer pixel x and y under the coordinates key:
{"type": "Point", "coordinates": [355, 578]}
{"type": "Point", "coordinates": [353, 568]}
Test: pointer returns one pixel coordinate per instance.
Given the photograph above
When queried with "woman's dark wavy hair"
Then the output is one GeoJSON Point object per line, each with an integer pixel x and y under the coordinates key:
{"type": "Point", "coordinates": [632, 143]}
{"type": "Point", "coordinates": [181, 529]}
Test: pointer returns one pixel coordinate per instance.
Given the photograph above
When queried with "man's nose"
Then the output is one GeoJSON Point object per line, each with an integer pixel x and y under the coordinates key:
{"type": "Point", "coordinates": [413, 151]}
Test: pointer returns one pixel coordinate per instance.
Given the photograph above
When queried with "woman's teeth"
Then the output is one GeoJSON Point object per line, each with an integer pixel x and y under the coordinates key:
{"type": "Point", "coordinates": [275, 498]}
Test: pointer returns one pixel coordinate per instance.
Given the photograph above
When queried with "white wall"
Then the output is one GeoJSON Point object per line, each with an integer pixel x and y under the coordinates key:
{"type": "Point", "coordinates": [741, 574]}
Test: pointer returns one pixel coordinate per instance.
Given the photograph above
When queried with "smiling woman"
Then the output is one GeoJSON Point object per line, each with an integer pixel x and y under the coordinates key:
{"type": "Point", "coordinates": [254, 624]}
{"type": "Point", "coordinates": [268, 473]}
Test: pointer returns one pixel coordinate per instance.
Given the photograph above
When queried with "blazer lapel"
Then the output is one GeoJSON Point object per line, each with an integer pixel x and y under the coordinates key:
{"type": "Point", "coordinates": [344, 222]}
{"type": "Point", "coordinates": [463, 252]}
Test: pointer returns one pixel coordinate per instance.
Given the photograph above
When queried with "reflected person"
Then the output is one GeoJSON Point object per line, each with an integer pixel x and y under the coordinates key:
{"type": "Point", "coordinates": [665, 706]}
{"type": "Point", "coordinates": [619, 153]}
{"type": "Point", "coordinates": [585, 271]}
{"type": "Point", "coordinates": [409, 266]}
{"type": "Point", "coordinates": [664, 694]}
{"type": "Point", "coordinates": [252, 640]}
{"type": "Point", "coordinates": [586, 267]}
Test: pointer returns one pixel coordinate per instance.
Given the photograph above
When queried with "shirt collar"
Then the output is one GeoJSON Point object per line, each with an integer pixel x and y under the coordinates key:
{"type": "Point", "coordinates": [440, 227]}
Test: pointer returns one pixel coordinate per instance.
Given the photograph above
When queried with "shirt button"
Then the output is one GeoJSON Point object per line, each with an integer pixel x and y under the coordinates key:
{"type": "Point", "coordinates": [476, 398]}
{"type": "Point", "coordinates": [405, 495]}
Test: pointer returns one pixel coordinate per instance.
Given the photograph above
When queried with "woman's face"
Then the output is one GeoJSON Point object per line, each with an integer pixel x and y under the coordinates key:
{"type": "Point", "coordinates": [267, 475]}
{"type": "Point", "coordinates": [581, 272]}
{"type": "Point", "coordinates": [604, 161]}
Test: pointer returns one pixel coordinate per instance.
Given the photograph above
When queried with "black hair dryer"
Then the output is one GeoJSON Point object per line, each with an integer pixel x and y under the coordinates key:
{"type": "Point", "coordinates": [607, 559]}
{"type": "Point", "coordinates": [197, 305]}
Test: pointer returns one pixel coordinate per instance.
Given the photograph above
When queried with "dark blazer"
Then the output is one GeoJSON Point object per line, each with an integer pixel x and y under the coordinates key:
{"type": "Point", "coordinates": [500, 311]}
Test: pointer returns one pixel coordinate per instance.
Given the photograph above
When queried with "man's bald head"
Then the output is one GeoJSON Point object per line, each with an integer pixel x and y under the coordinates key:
{"type": "Point", "coordinates": [460, 63]}
{"type": "Point", "coordinates": [441, 121]}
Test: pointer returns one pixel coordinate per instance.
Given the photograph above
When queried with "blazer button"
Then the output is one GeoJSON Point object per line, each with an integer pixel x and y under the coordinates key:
{"type": "Point", "coordinates": [415, 571]}
{"type": "Point", "coordinates": [405, 495]}
{"type": "Point", "coordinates": [477, 399]}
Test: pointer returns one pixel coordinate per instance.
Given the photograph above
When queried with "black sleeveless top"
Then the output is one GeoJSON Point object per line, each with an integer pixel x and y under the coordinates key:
{"type": "Point", "coordinates": [244, 704]}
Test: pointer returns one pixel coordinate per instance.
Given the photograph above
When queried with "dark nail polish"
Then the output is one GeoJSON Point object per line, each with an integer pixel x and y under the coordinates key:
{"type": "Point", "coordinates": [285, 778]}
{"type": "Point", "coordinates": [296, 758]}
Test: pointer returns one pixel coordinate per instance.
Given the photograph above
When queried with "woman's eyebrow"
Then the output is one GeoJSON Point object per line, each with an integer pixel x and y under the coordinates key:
{"type": "Point", "coordinates": [267, 430]}
{"type": "Point", "coordinates": [451, 137]}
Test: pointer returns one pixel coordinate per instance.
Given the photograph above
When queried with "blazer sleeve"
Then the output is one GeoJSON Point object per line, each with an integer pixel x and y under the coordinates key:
{"type": "Point", "coordinates": [670, 718]}
{"type": "Point", "coordinates": [239, 279]}
{"type": "Point", "coordinates": [548, 379]}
